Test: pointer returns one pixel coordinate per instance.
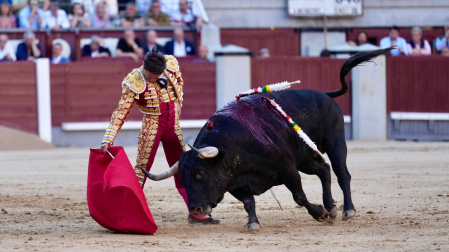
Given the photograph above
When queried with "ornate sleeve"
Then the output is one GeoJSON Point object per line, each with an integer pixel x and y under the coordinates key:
{"type": "Point", "coordinates": [119, 115]}
{"type": "Point", "coordinates": [181, 87]}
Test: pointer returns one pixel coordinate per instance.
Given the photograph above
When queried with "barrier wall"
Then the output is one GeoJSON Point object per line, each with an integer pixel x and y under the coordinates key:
{"type": "Point", "coordinates": [322, 74]}
{"type": "Point", "coordinates": [18, 101]}
{"type": "Point", "coordinates": [256, 39]}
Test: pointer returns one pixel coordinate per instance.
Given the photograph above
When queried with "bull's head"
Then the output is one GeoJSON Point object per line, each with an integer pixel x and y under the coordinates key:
{"type": "Point", "coordinates": [203, 183]}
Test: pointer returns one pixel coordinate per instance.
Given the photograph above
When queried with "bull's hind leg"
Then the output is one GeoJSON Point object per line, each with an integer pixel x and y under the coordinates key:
{"type": "Point", "coordinates": [337, 153]}
{"type": "Point", "coordinates": [293, 182]}
{"type": "Point", "coordinates": [250, 207]}
{"type": "Point", "coordinates": [322, 170]}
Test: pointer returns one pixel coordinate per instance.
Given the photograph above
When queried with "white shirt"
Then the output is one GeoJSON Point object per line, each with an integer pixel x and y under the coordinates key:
{"type": "Point", "coordinates": [50, 21]}
{"type": "Point", "coordinates": [7, 50]}
{"type": "Point", "coordinates": [179, 50]}
{"type": "Point", "coordinates": [400, 43]}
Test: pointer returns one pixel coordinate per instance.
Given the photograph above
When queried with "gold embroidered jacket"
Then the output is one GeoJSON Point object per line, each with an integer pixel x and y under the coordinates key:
{"type": "Point", "coordinates": [147, 95]}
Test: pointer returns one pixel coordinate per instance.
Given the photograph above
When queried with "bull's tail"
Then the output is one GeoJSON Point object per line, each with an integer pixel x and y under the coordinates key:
{"type": "Point", "coordinates": [352, 62]}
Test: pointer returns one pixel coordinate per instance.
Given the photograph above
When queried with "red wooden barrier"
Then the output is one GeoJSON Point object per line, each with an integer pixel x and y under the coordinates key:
{"type": "Point", "coordinates": [322, 74]}
{"type": "Point", "coordinates": [18, 102]}
{"type": "Point", "coordinates": [88, 91]}
{"type": "Point", "coordinates": [418, 84]}
{"type": "Point", "coordinates": [278, 41]}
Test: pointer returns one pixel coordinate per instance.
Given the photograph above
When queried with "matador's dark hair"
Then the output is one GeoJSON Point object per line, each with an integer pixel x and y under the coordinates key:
{"type": "Point", "coordinates": [154, 61]}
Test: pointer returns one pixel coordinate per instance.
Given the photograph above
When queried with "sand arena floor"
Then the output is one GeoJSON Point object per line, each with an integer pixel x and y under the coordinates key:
{"type": "Point", "coordinates": [400, 189]}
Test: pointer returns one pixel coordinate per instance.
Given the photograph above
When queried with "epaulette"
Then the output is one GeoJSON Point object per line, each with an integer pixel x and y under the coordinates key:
{"type": "Point", "coordinates": [135, 81]}
{"type": "Point", "coordinates": [172, 63]}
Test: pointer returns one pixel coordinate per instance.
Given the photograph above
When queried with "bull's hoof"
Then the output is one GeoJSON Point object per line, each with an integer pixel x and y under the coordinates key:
{"type": "Point", "coordinates": [253, 227]}
{"type": "Point", "coordinates": [324, 216]}
{"type": "Point", "coordinates": [348, 214]}
{"type": "Point", "coordinates": [333, 213]}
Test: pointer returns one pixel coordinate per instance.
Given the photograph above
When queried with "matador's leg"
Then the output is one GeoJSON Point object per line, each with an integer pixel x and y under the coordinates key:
{"type": "Point", "coordinates": [149, 139]}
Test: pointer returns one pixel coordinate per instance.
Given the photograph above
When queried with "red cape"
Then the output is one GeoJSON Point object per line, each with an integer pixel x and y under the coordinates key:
{"type": "Point", "coordinates": [114, 196]}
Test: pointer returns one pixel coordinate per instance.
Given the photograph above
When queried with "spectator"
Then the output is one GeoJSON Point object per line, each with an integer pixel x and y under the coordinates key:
{"type": "Point", "coordinates": [443, 41]}
{"type": "Point", "coordinates": [30, 17]}
{"type": "Point", "coordinates": [95, 50]}
{"type": "Point", "coordinates": [396, 41]}
{"type": "Point", "coordinates": [155, 17]}
{"type": "Point", "coordinates": [362, 38]}
{"type": "Point", "coordinates": [131, 18]}
{"type": "Point", "coordinates": [57, 54]}
{"type": "Point", "coordinates": [264, 53]}
{"type": "Point", "coordinates": [151, 37]}
{"type": "Point", "coordinates": [78, 18]}
{"type": "Point", "coordinates": [29, 49]}
{"type": "Point", "coordinates": [418, 46]}
{"type": "Point", "coordinates": [55, 18]}
{"type": "Point", "coordinates": [203, 51]}
{"type": "Point", "coordinates": [129, 46]}
{"type": "Point", "coordinates": [185, 16]}
{"type": "Point", "coordinates": [101, 19]}
{"type": "Point", "coordinates": [87, 5]}
{"type": "Point", "coordinates": [445, 51]}
{"type": "Point", "coordinates": [179, 47]}
{"type": "Point", "coordinates": [6, 51]}
{"type": "Point", "coordinates": [170, 7]}
{"type": "Point", "coordinates": [7, 18]}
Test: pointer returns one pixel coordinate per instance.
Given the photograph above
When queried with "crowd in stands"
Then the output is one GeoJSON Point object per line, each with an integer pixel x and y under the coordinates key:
{"type": "Point", "coordinates": [48, 15]}
{"type": "Point", "coordinates": [416, 46]}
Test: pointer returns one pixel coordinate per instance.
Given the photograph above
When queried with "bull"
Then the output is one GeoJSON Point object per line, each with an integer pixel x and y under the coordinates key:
{"type": "Point", "coordinates": [247, 147]}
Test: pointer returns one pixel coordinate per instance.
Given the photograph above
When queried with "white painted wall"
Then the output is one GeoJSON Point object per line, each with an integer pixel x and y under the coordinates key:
{"type": "Point", "coordinates": [377, 13]}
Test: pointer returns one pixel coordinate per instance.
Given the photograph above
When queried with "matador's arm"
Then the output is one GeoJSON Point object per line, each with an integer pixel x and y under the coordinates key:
{"type": "Point", "coordinates": [119, 115]}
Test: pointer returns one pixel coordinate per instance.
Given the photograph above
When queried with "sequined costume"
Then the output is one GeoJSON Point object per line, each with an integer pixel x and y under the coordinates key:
{"type": "Point", "coordinates": [160, 107]}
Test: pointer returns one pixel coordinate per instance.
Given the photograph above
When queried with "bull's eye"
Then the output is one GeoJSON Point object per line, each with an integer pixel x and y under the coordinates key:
{"type": "Point", "coordinates": [198, 176]}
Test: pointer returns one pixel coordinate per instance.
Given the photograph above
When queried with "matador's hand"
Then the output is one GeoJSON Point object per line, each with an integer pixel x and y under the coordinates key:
{"type": "Point", "coordinates": [104, 147]}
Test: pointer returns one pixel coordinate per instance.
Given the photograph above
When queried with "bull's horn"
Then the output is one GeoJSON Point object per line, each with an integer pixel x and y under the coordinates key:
{"type": "Point", "coordinates": [156, 177]}
{"type": "Point", "coordinates": [206, 152]}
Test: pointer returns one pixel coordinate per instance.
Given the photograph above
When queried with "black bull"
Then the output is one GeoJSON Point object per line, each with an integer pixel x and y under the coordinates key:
{"type": "Point", "coordinates": [258, 149]}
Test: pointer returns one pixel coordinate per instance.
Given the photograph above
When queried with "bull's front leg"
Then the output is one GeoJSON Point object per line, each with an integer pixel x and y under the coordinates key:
{"type": "Point", "coordinates": [250, 207]}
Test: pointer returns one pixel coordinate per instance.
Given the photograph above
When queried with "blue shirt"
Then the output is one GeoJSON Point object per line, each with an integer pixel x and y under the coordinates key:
{"type": "Point", "coordinates": [400, 43]}
{"type": "Point", "coordinates": [24, 14]}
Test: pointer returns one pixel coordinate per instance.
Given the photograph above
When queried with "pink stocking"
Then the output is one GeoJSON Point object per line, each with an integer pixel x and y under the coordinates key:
{"type": "Point", "coordinates": [183, 193]}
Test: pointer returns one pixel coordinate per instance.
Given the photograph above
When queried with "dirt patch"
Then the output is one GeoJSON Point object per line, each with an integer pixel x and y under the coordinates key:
{"type": "Point", "coordinates": [12, 139]}
{"type": "Point", "coordinates": [400, 190]}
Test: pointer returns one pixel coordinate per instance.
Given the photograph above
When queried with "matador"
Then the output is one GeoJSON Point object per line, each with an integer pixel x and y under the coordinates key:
{"type": "Point", "coordinates": [157, 88]}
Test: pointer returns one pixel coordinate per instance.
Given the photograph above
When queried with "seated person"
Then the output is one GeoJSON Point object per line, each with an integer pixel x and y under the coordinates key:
{"type": "Point", "coordinates": [445, 51]}
{"type": "Point", "coordinates": [185, 16]}
{"type": "Point", "coordinates": [29, 49]}
{"type": "Point", "coordinates": [7, 18]}
{"type": "Point", "coordinates": [362, 38]}
{"type": "Point", "coordinates": [443, 41]}
{"type": "Point", "coordinates": [31, 16]}
{"type": "Point", "coordinates": [155, 17]}
{"type": "Point", "coordinates": [131, 18]}
{"type": "Point", "coordinates": [394, 40]}
{"type": "Point", "coordinates": [95, 50]}
{"type": "Point", "coordinates": [129, 46]}
{"type": "Point", "coordinates": [101, 18]}
{"type": "Point", "coordinates": [418, 46]}
{"type": "Point", "coordinates": [151, 37]}
{"type": "Point", "coordinates": [6, 51]}
{"type": "Point", "coordinates": [264, 53]}
{"type": "Point", "coordinates": [179, 47]}
{"type": "Point", "coordinates": [57, 54]}
{"type": "Point", "coordinates": [55, 18]}
{"type": "Point", "coordinates": [203, 51]}
{"type": "Point", "coordinates": [78, 18]}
